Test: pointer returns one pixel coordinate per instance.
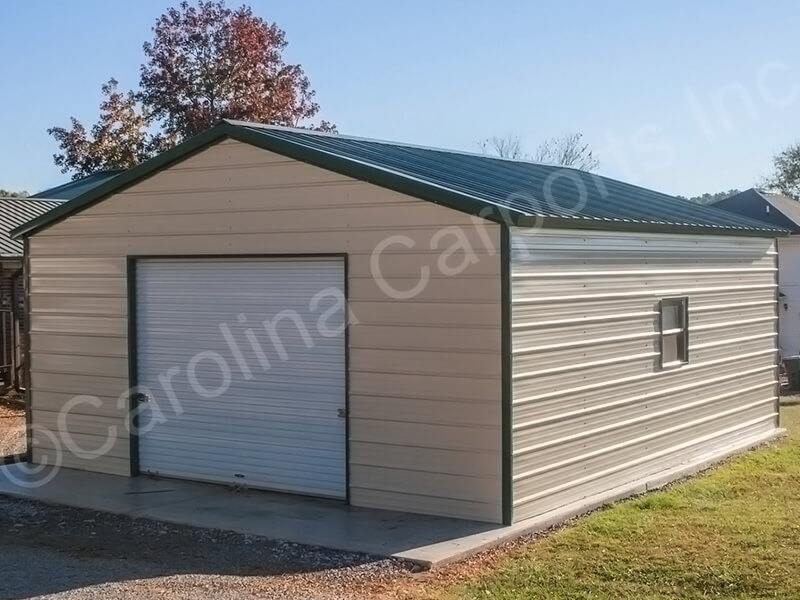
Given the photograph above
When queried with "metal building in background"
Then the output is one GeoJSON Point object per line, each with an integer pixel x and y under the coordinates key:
{"type": "Point", "coordinates": [13, 213]}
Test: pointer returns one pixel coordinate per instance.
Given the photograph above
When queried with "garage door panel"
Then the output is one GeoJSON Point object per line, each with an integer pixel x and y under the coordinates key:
{"type": "Point", "coordinates": [278, 406]}
{"type": "Point", "coordinates": [281, 393]}
{"type": "Point", "coordinates": [279, 448]}
{"type": "Point", "coordinates": [280, 385]}
{"type": "Point", "coordinates": [285, 462]}
{"type": "Point", "coordinates": [286, 397]}
{"type": "Point", "coordinates": [245, 363]}
{"type": "Point", "coordinates": [254, 428]}
{"type": "Point", "coordinates": [322, 355]}
{"type": "Point", "coordinates": [212, 476]}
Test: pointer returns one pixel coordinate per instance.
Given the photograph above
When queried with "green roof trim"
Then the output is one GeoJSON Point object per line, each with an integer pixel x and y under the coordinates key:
{"type": "Point", "coordinates": [77, 187]}
{"type": "Point", "coordinates": [505, 191]}
{"type": "Point", "coordinates": [122, 181]}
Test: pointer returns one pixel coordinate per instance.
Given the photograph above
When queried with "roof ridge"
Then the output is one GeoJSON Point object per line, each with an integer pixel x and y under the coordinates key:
{"type": "Point", "coordinates": [303, 131]}
{"type": "Point", "coordinates": [358, 138]}
{"type": "Point", "coordinates": [605, 179]}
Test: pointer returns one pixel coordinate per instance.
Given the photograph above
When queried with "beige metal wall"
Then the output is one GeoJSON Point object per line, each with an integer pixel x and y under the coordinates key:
{"type": "Point", "coordinates": [592, 408]}
{"type": "Point", "coordinates": [424, 371]}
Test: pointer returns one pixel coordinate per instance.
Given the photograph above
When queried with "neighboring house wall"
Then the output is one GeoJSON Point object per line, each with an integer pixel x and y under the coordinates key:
{"type": "Point", "coordinates": [789, 278]}
{"type": "Point", "coordinates": [782, 211]}
{"type": "Point", "coordinates": [593, 410]}
{"type": "Point", "coordinates": [425, 372]}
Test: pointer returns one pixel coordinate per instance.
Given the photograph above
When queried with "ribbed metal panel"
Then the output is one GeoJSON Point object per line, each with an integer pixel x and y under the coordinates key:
{"type": "Point", "coordinates": [73, 189]}
{"type": "Point", "coordinates": [267, 414]}
{"type": "Point", "coordinates": [13, 213]}
{"type": "Point", "coordinates": [593, 409]}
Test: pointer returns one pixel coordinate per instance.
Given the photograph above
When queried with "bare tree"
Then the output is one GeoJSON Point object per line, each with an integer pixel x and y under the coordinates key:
{"type": "Point", "coordinates": [568, 151]}
{"type": "Point", "coordinates": [504, 147]}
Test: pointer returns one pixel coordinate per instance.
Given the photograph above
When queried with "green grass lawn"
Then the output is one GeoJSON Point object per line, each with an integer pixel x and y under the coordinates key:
{"type": "Point", "coordinates": [732, 533]}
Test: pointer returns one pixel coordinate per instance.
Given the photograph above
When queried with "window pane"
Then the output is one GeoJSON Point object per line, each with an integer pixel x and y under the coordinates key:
{"type": "Point", "coordinates": [671, 315]}
{"type": "Point", "coordinates": [670, 347]}
{"type": "Point", "coordinates": [673, 319]}
{"type": "Point", "coordinates": [682, 350]}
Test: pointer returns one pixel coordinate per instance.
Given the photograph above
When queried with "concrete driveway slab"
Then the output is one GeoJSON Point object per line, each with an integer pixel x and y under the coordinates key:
{"type": "Point", "coordinates": [425, 540]}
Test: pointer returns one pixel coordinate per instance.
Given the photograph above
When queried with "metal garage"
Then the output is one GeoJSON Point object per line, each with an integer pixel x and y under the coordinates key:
{"type": "Point", "coordinates": [397, 327]}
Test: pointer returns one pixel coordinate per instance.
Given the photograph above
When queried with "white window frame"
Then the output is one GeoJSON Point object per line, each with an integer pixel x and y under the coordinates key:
{"type": "Point", "coordinates": [682, 331]}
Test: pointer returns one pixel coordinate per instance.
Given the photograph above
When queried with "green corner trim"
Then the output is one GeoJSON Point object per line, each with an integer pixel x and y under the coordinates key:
{"type": "Point", "coordinates": [133, 368]}
{"type": "Point", "coordinates": [506, 398]}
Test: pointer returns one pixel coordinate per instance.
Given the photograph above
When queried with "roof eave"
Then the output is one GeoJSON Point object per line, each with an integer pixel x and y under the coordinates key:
{"type": "Point", "coordinates": [645, 227]}
{"type": "Point", "coordinates": [123, 180]}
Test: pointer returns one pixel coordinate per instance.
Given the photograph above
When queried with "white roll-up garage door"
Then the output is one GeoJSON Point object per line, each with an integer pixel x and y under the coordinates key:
{"type": "Point", "coordinates": [242, 365]}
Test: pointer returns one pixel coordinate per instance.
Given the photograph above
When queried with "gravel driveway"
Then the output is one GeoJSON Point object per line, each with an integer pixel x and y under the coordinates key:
{"type": "Point", "coordinates": [12, 428]}
{"type": "Point", "coordinates": [66, 553]}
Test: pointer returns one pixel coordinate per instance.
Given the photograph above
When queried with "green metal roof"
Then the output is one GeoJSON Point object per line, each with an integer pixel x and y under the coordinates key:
{"type": "Point", "coordinates": [507, 191]}
{"type": "Point", "coordinates": [78, 187]}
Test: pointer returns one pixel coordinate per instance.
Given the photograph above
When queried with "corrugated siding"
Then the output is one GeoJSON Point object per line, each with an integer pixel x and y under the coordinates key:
{"type": "Point", "coordinates": [592, 407]}
{"type": "Point", "coordinates": [13, 213]}
{"type": "Point", "coordinates": [424, 371]}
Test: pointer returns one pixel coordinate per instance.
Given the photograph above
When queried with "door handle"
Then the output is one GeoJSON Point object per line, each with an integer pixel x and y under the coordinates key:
{"type": "Point", "coordinates": [341, 413]}
{"type": "Point", "coordinates": [140, 398]}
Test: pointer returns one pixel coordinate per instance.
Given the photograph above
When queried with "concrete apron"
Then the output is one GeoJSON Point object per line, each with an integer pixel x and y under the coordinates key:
{"type": "Point", "coordinates": [424, 540]}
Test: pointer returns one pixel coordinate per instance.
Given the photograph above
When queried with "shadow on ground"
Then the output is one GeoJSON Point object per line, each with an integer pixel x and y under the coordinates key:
{"type": "Point", "coordinates": [49, 549]}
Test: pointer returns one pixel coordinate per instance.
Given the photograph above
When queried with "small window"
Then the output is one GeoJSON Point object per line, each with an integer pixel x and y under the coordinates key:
{"type": "Point", "coordinates": [674, 331]}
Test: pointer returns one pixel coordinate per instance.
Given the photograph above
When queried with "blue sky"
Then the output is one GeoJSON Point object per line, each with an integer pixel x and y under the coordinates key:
{"type": "Point", "coordinates": [683, 97]}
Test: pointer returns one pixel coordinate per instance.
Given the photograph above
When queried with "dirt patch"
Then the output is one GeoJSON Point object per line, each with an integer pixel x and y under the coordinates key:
{"type": "Point", "coordinates": [12, 427]}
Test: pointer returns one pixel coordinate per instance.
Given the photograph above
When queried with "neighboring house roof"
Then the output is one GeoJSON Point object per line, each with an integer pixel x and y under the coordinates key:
{"type": "Point", "coordinates": [786, 205]}
{"type": "Point", "coordinates": [78, 187]}
{"type": "Point", "coordinates": [516, 192]}
{"type": "Point", "coordinates": [783, 211]}
{"type": "Point", "coordinates": [13, 213]}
